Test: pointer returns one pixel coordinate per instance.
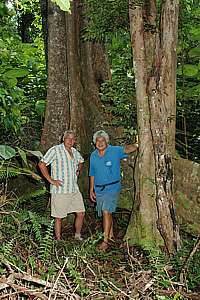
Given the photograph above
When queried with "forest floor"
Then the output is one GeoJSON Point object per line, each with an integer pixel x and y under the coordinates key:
{"type": "Point", "coordinates": [35, 266]}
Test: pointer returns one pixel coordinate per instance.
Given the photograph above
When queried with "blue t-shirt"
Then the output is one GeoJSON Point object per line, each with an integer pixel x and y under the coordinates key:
{"type": "Point", "coordinates": [106, 169]}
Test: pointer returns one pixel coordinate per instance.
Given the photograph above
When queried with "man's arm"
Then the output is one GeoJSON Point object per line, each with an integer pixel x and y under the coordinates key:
{"type": "Point", "coordinates": [92, 193]}
{"type": "Point", "coordinates": [80, 169]}
{"type": "Point", "coordinates": [130, 148]}
{"type": "Point", "coordinates": [45, 173]}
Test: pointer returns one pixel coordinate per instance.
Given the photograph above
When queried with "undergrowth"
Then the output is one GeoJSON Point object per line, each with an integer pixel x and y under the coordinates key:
{"type": "Point", "coordinates": [78, 269]}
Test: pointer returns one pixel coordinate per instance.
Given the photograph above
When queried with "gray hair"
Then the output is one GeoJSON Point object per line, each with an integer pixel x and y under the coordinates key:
{"type": "Point", "coordinates": [68, 132]}
{"type": "Point", "coordinates": [100, 133]}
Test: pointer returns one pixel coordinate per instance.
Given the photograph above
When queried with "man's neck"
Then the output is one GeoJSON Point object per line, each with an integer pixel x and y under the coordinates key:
{"type": "Point", "coordinates": [68, 148]}
{"type": "Point", "coordinates": [101, 152]}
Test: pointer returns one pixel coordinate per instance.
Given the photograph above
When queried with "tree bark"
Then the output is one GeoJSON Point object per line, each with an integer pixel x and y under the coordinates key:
{"type": "Point", "coordinates": [84, 67]}
{"type": "Point", "coordinates": [154, 220]}
{"type": "Point", "coordinates": [57, 107]}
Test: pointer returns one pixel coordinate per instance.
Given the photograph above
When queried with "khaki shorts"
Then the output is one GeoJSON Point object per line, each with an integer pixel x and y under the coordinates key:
{"type": "Point", "coordinates": [64, 204]}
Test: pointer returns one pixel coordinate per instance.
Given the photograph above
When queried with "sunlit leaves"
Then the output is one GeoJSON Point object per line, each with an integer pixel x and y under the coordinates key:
{"type": "Point", "coordinates": [188, 70]}
{"type": "Point", "coordinates": [195, 52]}
{"type": "Point", "coordinates": [105, 18]}
{"type": "Point", "coordinates": [63, 4]}
{"type": "Point", "coordinates": [40, 107]}
{"type": "Point", "coordinates": [7, 152]}
{"type": "Point", "coordinates": [22, 73]}
{"type": "Point", "coordinates": [16, 72]}
{"type": "Point", "coordinates": [195, 33]}
{"type": "Point", "coordinates": [22, 154]}
{"type": "Point", "coordinates": [188, 92]}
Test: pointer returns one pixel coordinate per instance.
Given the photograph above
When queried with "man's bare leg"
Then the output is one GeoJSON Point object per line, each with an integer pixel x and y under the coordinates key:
{"type": "Point", "coordinates": [58, 227]}
{"type": "Point", "coordinates": [111, 234]}
{"type": "Point", "coordinates": [107, 224]}
{"type": "Point", "coordinates": [79, 223]}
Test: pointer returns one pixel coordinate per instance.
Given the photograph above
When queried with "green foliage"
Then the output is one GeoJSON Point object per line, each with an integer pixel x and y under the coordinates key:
{"type": "Point", "coordinates": [63, 4]}
{"type": "Point", "coordinates": [40, 107]}
{"type": "Point", "coordinates": [36, 226]}
{"type": "Point", "coordinates": [7, 248]}
{"type": "Point", "coordinates": [105, 18]}
{"type": "Point", "coordinates": [22, 76]}
{"type": "Point", "coordinates": [192, 274]}
{"type": "Point", "coordinates": [7, 152]}
{"type": "Point", "coordinates": [188, 70]}
{"type": "Point", "coordinates": [46, 243]}
{"type": "Point", "coordinates": [188, 75]}
{"type": "Point", "coordinates": [11, 165]}
{"type": "Point", "coordinates": [118, 93]}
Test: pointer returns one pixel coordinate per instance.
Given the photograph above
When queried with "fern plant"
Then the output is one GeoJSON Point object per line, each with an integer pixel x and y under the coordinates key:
{"type": "Point", "coordinates": [38, 199]}
{"type": "Point", "coordinates": [8, 172]}
{"type": "Point", "coordinates": [35, 225]}
{"type": "Point", "coordinates": [7, 248]}
{"type": "Point", "coordinates": [46, 243]}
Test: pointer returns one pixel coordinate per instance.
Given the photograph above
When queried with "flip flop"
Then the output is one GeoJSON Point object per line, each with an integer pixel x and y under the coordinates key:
{"type": "Point", "coordinates": [104, 246]}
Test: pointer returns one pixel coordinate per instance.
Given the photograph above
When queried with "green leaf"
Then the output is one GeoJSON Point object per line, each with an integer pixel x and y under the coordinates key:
{"type": "Point", "coordinates": [40, 107]}
{"type": "Point", "coordinates": [31, 173]}
{"type": "Point", "coordinates": [22, 154]}
{"type": "Point", "coordinates": [187, 70]}
{"type": "Point", "coordinates": [12, 82]}
{"type": "Point", "coordinates": [7, 152]}
{"type": "Point", "coordinates": [195, 34]}
{"type": "Point", "coordinates": [20, 72]}
{"type": "Point", "coordinates": [63, 4]}
{"type": "Point", "coordinates": [197, 12]}
{"type": "Point", "coordinates": [195, 52]}
{"type": "Point", "coordinates": [36, 153]}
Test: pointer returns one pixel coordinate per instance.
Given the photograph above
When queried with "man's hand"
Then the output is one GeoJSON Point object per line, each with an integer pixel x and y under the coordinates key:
{"type": "Point", "coordinates": [131, 148]}
{"type": "Point", "coordinates": [92, 196]}
{"type": "Point", "coordinates": [56, 182]}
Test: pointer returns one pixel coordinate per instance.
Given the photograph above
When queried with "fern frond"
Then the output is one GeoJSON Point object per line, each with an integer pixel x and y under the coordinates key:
{"type": "Point", "coordinates": [45, 220]}
{"type": "Point", "coordinates": [7, 172]}
{"type": "Point", "coordinates": [36, 200]}
{"type": "Point", "coordinates": [35, 225]}
{"type": "Point", "coordinates": [38, 193]}
{"type": "Point", "coordinates": [7, 248]}
{"type": "Point", "coordinates": [46, 244]}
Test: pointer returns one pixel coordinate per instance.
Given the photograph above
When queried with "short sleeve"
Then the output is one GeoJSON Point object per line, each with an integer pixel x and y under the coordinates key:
{"type": "Point", "coordinates": [79, 157]}
{"type": "Point", "coordinates": [120, 151]}
{"type": "Point", "coordinates": [49, 157]}
{"type": "Point", "coordinates": [91, 171]}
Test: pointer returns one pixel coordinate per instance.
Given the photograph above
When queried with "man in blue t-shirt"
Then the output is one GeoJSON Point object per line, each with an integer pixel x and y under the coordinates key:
{"type": "Point", "coordinates": [105, 183]}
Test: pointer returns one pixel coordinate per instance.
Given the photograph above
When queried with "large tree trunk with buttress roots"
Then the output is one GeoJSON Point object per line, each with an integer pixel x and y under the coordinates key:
{"type": "Point", "coordinates": [57, 106]}
{"type": "Point", "coordinates": [153, 221]}
{"type": "Point", "coordinates": [76, 68]}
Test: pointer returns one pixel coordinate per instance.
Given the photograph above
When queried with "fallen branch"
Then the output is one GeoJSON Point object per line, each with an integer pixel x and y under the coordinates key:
{"type": "Point", "coordinates": [172, 293]}
{"type": "Point", "coordinates": [62, 269]}
{"type": "Point", "coordinates": [22, 289]}
{"type": "Point", "coordinates": [30, 278]}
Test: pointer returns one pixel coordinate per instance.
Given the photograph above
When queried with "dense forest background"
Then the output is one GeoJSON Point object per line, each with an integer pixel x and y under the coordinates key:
{"type": "Point", "coordinates": [30, 258]}
{"type": "Point", "coordinates": [23, 72]}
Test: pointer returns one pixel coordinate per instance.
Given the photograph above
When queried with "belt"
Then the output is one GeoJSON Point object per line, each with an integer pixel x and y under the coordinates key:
{"type": "Point", "coordinates": [102, 186]}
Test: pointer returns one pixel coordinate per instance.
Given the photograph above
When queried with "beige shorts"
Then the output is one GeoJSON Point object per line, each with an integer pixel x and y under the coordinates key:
{"type": "Point", "coordinates": [64, 204]}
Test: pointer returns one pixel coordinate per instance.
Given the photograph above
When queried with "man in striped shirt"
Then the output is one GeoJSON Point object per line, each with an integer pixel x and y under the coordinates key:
{"type": "Point", "coordinates": [66, 165]}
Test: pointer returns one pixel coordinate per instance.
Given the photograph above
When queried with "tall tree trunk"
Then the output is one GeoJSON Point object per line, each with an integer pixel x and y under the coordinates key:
{"type": "Point", "coordinates": [154, 220]}
{"type": "Point", "coordinates": [57, 107]}
{"type": "Point", "coordinates": [85, 67]}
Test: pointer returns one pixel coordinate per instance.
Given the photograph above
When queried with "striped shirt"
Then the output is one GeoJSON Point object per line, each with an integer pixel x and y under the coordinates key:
{"type": "Point", "coordinates": [64, 168]}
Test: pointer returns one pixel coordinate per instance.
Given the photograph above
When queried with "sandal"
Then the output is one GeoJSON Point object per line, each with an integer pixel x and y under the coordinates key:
{"type": "Point", "coordinates": [104, 246]}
